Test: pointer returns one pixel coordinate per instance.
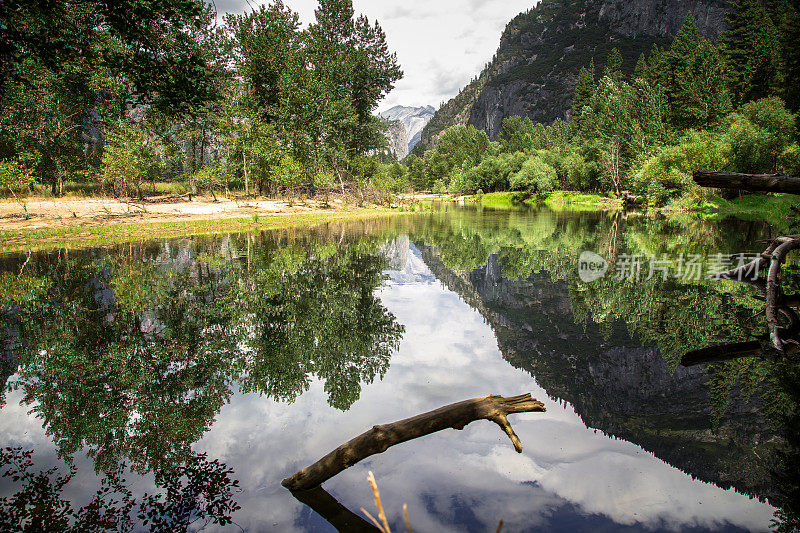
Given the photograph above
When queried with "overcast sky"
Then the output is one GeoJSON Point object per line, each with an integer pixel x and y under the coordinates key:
{"type": "Point", "coordinates": [440, 44]}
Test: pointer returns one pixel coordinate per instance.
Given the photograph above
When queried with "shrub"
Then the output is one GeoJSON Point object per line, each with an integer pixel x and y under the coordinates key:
{"type": "Point", "coordinates": [789, 161]}
{"type": "Point", "coordinates": [439, 187]}
{"type": "Point", "coordinates": [324, 180]}
{"type": "Point", "coordinates": [672, 166]}
{"type": "Point", "coordinates": [535, 178]}
{"type": "Point", "coordinates": [288, 173]}
{"type": "Point", "coordinates": [488, 176]}
{"type": "Point", "coordinates": [460, 184]}
{"type": "Point", "coordinates": [13, 177]}
{"type": "Point", "coordinates": [211, 178]}
{"type": "Point", "coordinates": [580, 174]}
{"type": "Point", "coordinates": [391, 178]}
{"type": "Point", "coordinates": [129, 157]}
{"type": "Point", "coordinates": [759, 133]}
{"type": "Point", "coordinates": [749, 144]}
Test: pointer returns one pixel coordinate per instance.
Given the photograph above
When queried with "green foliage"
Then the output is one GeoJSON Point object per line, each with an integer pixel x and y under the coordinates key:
{"type": "Point", "coordinates": [197, 490]}
{"type": "Point", "coordinates": [391, 178]}
{"type": "Point", "coordinates": [535, 178]}
{"type": "Point", "coordinates": [583, 91]}
{"type": "Point", "coordinates": [695, 80]}
{"type": "Point", "coordinates": [490, 175]}
{"type": "Point", "coordinates": [669, 171]}
{"type": "Point", "coordinates": [759, 133]}
{"type": "Point", "coordinates": [129, 158]}
{"type": "Point", "coordinates": [13, 176]}
{"type": "Point", "coordinates": [211, 178]}
{"type": "Point", "coordinates": [288, 173]}
{"type": "Point", "coordinates": [463, 145]}
{"type": "Point", "coordinates": [751, 50]}
{"type": "Point", "coordinates": [789, 161]}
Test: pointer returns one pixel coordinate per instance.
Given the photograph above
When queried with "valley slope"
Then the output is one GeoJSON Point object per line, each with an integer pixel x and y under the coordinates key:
{"type": "Point", "coordinates": [535, 69]}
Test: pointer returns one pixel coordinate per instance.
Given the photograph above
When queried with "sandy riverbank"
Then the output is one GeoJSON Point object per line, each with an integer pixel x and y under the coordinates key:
{"type": "Point", "coordinates": [90, 212]}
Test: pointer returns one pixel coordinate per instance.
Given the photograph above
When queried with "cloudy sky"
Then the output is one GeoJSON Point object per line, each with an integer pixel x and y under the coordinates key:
{"type": "Point", "coordinates": [441, 44]}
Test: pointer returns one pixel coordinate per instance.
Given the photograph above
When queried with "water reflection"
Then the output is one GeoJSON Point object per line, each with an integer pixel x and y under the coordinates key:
{"type": "Point", "coordinates": [266, 351]}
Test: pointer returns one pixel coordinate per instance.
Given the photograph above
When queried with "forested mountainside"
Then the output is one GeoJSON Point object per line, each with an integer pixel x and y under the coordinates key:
{"type": "Point", "coordinates": [535, 70]}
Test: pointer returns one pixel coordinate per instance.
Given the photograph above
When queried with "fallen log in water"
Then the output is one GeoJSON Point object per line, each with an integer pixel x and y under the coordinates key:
{"type": "Point", "coordinates": [747, 182]}
{"type": "Point", "coordinates": [380, 438]}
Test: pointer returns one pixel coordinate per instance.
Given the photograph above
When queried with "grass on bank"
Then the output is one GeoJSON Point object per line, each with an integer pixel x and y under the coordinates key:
{"type": "Point", "coordinates": [40, 239]}
{"type": "Point", "coordinates": [558, 200]}
{"type": "Point", "coordinates": [77, 191]}
{"type": "Point", "coordinates": [772, 208]}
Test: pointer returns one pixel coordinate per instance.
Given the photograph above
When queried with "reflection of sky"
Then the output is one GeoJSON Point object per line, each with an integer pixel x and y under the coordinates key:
{"type": "Point", "coordinates": [567, 478]}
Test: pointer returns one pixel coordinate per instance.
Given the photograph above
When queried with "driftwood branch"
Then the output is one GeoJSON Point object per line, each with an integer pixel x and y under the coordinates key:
{"type": "Point", "coordinates": [774, 293]}
{"type": "Point", "coordinates": [776, 303]}
{"type": "Point", "coordinates": [380, 438]}
{"type": "Point", "coordinates": [747, 182]}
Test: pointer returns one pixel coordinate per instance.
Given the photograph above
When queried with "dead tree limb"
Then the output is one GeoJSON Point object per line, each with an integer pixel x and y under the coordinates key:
{"type": "Point", "coordinates": [774, 293]}
{"type": "Point", "coordinates": [747, 182]}
{"type": "Point", "coordinates": [380, 438]}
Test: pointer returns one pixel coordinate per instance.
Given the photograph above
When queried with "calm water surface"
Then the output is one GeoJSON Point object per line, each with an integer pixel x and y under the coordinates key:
{"type": "Point", "coordinates": [190, 363]}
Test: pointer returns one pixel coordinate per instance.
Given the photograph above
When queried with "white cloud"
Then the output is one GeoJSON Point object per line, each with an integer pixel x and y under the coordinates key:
{"type": "Point", "coordinates": [440, 45]}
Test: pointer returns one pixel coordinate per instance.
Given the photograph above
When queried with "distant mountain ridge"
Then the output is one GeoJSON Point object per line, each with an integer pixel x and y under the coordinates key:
{"type": "Point", "coordinates": [535, 70]}
{"type": "Point", "coordinates": [413, 119]}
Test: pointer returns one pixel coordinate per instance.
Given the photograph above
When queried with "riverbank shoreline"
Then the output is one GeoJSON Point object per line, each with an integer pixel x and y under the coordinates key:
{"type": "Point", "coordinates": [772, 208]}
{"type": "Point", "coordinates": [91, 221]}
{"type": "Point", "coordinates": [82, 222]}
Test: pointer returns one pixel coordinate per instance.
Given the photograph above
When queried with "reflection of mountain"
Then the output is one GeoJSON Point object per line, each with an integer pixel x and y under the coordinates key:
{"type": "Point", "coordinates": [405, 263]}
{"type": "Point", "coordinates": [615, 384]}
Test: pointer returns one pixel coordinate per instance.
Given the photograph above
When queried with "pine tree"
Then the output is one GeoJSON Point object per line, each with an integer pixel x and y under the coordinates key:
{"type": "Point", "coordinates": [614, 65]}
{"type": "Point", "coordinates": [656, 68]}
{"type": "Point", "coordinates": [694, 79]}
{"type": "Point", "coordinates": [583, 91]}
{"type": "Point", "coordinates": [789, 32]}
{"type": "Point", "coordinates": [640, 71]}
{"type": "Point", "coordinates": [751, 50]}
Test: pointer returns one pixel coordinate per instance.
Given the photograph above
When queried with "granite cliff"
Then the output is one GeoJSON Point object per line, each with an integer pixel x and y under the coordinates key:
{"type": "Point", "coordinates": [413, 120]}
{"type": "Point", "coordinates": [541, 51]}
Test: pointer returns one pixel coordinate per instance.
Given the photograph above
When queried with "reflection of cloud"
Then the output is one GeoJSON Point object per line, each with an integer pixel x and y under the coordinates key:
{"type": "Point", "coordinates": [454, 480]}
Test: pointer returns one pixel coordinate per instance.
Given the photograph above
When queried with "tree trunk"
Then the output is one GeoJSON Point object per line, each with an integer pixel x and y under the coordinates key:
{"type": "Point", "coordinates": [246, 177]}
{"type": "Point", "coordinates": [747, 182]}
{"type": "Point", "coordinates": [380, 438]}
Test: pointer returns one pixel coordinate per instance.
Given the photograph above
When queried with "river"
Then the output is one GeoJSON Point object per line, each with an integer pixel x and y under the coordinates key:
{"type": "Point", "coordinates": [187, 364]}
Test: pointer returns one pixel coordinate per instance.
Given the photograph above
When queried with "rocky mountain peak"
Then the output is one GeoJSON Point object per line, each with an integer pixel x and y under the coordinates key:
{"type": "Point", "coordinates": [413, 119]}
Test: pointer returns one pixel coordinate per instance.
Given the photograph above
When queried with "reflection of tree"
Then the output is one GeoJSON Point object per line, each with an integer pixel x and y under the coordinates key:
{"type": "Point", "coordinates": [787, 466]}
{"type": "Point", "coordinates": [197, 491]}
{"type": "Point", "coordinates": [304, 316]}
{"type": "Point", "coordinates": [101, 378]}
{"type": "Point", "coordinates": [132, 355]}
